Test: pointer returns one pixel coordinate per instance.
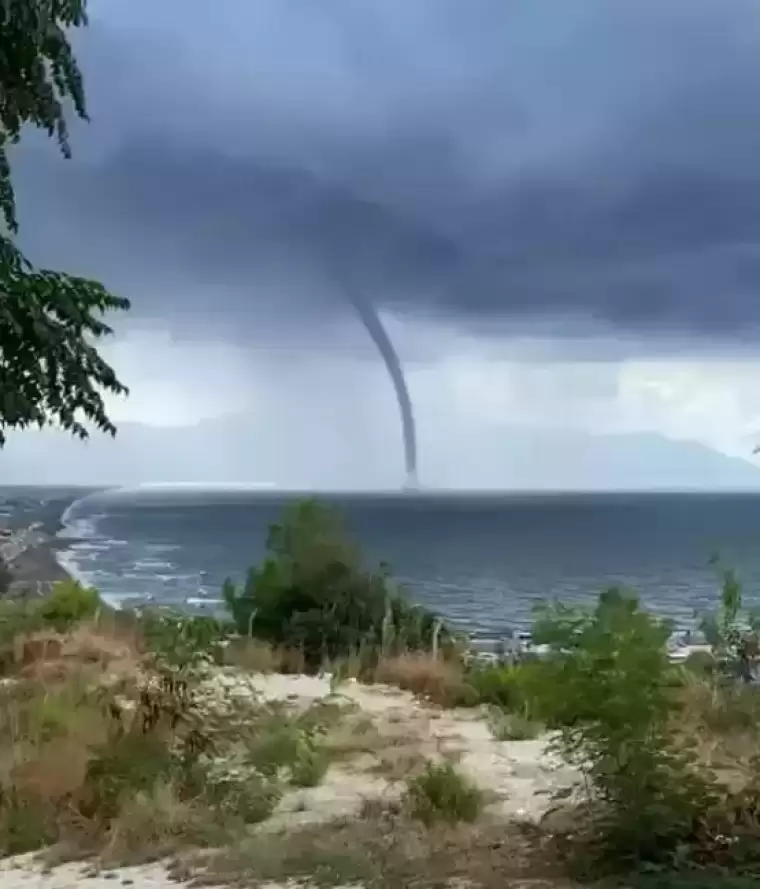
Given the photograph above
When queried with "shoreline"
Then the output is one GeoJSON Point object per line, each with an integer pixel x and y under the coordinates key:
{"type": "Point", "coordinates": [37, 566]}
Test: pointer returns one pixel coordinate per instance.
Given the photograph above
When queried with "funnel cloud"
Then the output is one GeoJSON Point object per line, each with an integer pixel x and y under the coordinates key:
{"type": "Point", "coordinates": [374, 327]}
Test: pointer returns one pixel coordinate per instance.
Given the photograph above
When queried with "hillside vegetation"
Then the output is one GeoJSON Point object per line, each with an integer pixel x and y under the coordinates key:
{"type": "Point", "coordinates": [185, 734]}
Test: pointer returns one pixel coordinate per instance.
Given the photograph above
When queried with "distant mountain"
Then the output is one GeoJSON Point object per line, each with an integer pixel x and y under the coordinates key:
{"type": "Point", "coordinates": [560, 459]}
{"type": "Point", "coordinates": [234, 450]}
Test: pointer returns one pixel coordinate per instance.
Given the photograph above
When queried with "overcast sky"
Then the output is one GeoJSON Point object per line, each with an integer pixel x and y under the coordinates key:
{"type": "Point", "coordinates": [554, 206]}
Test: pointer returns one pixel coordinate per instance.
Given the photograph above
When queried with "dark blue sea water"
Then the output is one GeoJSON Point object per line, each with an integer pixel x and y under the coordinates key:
{"type": "Point", "coordinates": [483, 561]}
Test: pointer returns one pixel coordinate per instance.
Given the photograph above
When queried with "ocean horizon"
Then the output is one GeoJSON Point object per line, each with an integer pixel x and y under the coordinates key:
{"type": "Point", "coordinates": [481, 559]}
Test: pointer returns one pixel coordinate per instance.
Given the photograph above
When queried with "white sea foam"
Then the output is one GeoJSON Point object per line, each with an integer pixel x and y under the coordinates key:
{"type": "Point", "coordinates": [83, 529]}
{"type": "Point", "coordinates": [209, 487]}
{"type": "Point", "coordinates": [116, 601]}
{"type": "Point", "coordinates": [72, 567]}
{"type": "Point", "coordinates": [151, 564]}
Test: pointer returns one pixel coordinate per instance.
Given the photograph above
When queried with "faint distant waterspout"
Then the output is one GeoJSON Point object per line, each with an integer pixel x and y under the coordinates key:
{"type": "Point", "coordinates": [374, 327]}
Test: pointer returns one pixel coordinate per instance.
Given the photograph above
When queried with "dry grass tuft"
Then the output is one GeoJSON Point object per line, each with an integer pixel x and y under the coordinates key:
{"type": "Point", "coordinates": [89, 643]}
{"type": "Point", "coordinates": [440, 681]}
{"type": "Point", "coordinates": [722, 725]}
{"type": "Point", "coordinates": [156, 824]}
{"type": "Point", "coordinates": [52, 657]}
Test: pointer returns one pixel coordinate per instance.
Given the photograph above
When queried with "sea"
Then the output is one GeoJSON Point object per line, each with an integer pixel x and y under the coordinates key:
{"type": "Point", "coordinates": [481, 560]}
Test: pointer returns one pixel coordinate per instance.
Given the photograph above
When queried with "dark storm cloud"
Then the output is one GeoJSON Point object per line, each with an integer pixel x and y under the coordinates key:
{"type": "Point", "coordinates": [487, 161]}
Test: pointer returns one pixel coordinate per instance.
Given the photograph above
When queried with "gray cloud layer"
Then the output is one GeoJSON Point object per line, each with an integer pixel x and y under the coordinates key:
{"type": "Point", "coordinates": [488, 161]}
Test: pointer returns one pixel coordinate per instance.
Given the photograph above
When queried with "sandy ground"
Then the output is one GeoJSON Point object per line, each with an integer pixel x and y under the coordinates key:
{"type": "Point", "coordinates": [518, 776]}
{"type": "Point", "coordinates": [24, 872]}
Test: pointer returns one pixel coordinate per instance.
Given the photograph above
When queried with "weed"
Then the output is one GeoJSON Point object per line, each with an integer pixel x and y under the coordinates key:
{"type": "Point", "coordinates": [513, 726]}
{"type": "Point", "coordinates": [441, 793]}
{"type": "Point", "coordinates": [310, 765]}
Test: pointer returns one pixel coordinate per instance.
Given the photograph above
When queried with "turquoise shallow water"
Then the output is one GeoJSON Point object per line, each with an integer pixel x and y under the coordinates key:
{"type": "Point", "coordinates": [483, 561]}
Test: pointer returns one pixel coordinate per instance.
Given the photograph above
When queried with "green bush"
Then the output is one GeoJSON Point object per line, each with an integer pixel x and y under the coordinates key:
{"type": "Point", "coordinates": [517, 689]}
{"type": "Point", "coordinates": [607, 687]}
{"type": "Point", "coordinates": [441, 793]}
{"type": "Point", "coordinates": [180, 640]}
{"type": "Point", "coordinates": [313, 593]}
{"type": "Point", "coordinates": [68, 603]}
{"type": "Point", "coordinates": [496, 685]}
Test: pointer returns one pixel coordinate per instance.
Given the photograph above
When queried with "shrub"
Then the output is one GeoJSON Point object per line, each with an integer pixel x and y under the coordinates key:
{"type": "Point", "coordinates": [158, 757]}
{"type": "Point", "coordinates": [607, 687]}
{"type": "Point", "coordinates": [68, 603]}
{"type": "Point", "coordinates": [441, 793]}
{"type": "Point", "coordinates": [312, 593]}
{"type": "Point", "coordinates": [180, 640]}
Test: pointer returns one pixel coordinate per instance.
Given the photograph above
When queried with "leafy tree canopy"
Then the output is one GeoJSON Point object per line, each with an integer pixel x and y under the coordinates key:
{"type": "Point", "coordinates": [50, 322]}
{"type": "Point", "coordinates": [313, 593]}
